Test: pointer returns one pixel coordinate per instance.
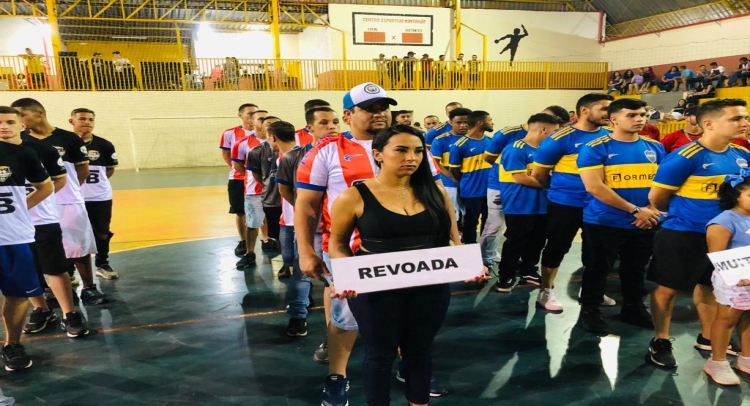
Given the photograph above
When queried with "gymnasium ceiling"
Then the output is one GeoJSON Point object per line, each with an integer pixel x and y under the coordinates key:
{"type": "Point", "coordinates": [158, 20]}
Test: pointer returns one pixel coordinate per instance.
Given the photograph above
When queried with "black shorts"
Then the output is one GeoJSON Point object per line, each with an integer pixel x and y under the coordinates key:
{"type": "Point", "coordinates": [236, 189]}
{"type": "Point", "coordinates": [49, 253]}
{"type": "Point", "coordinates": [100, 216]}
{"type": "Point", "coordinates": [679, 261]}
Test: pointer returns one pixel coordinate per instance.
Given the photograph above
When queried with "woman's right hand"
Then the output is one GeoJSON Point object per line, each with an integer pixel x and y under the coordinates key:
{"type": "Point", "coordinates": [743, 282]}
{"type": "Point", "coordinates": [347, 294]}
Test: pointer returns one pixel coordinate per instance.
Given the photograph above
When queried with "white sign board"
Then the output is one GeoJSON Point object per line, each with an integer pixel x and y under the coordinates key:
{"type": "Point", "coordinates": [404, 269]}
{"type": "Point", "coordinates": [392, 29]}
{"type": "Point", "coordinates": [732, 265]}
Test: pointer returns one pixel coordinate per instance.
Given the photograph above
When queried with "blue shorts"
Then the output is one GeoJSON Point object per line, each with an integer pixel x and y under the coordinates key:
{"type": "Point", "coordinates": [341, 314]}
{"type": "Point", "coordinates": [17, 273]}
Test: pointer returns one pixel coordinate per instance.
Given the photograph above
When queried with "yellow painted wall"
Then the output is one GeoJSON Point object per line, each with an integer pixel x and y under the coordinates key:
{"type": "Point", "coordinates": [135, 51]}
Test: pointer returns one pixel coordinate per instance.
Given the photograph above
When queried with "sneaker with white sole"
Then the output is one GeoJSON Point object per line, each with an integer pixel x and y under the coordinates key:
{"type": "Point", "coordinates": [742, 364]}
{"type": "Point", "coordinates": [704, 344]}
{"type": "Point", "coordinates": [721, 372]}
{"type": "Point", "coordinates": [105, 271]}
{"type": "Point", "coordinates": [606, 301]}
{"type": "Point", "coordinates": [547, 300]}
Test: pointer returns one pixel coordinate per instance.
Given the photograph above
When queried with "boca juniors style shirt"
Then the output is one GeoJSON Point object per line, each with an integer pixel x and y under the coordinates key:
{"type": "Point", "coordinates": [516, 198]}
{"type": "Point", "coordinates": [501, 139]}
{"type": "Point", "coordinates": [468, 154]}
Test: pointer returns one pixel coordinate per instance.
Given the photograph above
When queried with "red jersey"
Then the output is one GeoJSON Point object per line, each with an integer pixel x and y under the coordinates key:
{"type": "Point", "coordinates": [679, 138]}
{"type": "Point", "coordinates": [229, 137]}
{"type": "Point", "coordinates": [651, 131]}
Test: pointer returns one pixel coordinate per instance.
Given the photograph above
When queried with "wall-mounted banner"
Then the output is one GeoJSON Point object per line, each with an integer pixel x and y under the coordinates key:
{"type": "Point", "coordinates": [396, 270]}
{"type": "Point", "coordinates": [732, 265]}
{"type": "Point", "coordinates": [392, 29]}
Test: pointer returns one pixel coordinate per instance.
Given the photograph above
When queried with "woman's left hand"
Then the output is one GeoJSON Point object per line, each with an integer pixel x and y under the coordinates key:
{"type": "Point", "coordinates": [347, 294]}
{"type": "Point", "coordinates": [484, 276]}
{"type": "Point", "coordinates": [743, 282]}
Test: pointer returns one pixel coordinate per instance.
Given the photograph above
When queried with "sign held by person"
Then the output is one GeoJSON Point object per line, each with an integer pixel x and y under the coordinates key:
{"type": "Point", "coordinates": [732, 265]}
{"type": "Point", "coordinates": [405, 269]}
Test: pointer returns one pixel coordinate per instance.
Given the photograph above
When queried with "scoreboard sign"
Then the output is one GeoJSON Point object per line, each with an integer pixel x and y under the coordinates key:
{"type": "Point", "coordinates": [392, 29]}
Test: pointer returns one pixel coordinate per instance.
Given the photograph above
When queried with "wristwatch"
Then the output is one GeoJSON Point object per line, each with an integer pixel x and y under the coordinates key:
{"type": "Point", "coordinates": [636, 210]}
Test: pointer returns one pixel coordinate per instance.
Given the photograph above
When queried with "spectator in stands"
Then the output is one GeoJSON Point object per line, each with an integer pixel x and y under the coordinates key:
{"type": "Point", "coordinates": [627, 81]}
{"type": "Point", "coordinates": [36, 79]}
{"type": "Point", "coordinates": [669, 80]}
{"type": "Point", "coordinates": [702, 90]}
{"type": "Point", "coordinates": [217, 76]}
{"type": "Point", "coordinates": [651, 131]}
{"type": "Point", "coordinates": [459, 66]}
{"type": "Point", "coordinates": [615, 83]}
{"type": "Point", "coordinates": [717, 74]}
{"type": "Point", "coordinates": [426, 65]}
{"type": "Point", "coordinates": [702, 73]}
{"type": "Point", "coordinates": [687, 77]}
{"type": "Point", "coordinates": [440, 68]}
{"type": "Point", "coordinates": [742, 73]}
{"type": "Point", "coordinates": [473, 72]}
{"type": "Point", "coordinates": [394, 71]}
{"type": "Point", "coordinates": [676, 113]}
{"type": "Point", "coordinates": [573, 118]}
{"type": "Point", "coordinates": [232, 72]}
{"type": "Point", "coordinates": [381, 65]}
{"type": "Point", "coordinates": [408, 68]}
{"type": "Point", "coordinates": [648, 79]}
{"type": "Point", "coordinates": [124, 72]}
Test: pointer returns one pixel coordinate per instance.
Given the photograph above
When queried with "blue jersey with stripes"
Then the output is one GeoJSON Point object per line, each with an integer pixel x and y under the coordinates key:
{"type": "Point", "coordinates": [518, 157]}
{"type": "Point", "coordinates": [468, 154]}
{"type": "Point", "coordinates": [500, 140]}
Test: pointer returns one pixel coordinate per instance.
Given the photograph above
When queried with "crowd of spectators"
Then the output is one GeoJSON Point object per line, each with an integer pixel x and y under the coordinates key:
{"type": "Point", "coordinates": [400, 73]}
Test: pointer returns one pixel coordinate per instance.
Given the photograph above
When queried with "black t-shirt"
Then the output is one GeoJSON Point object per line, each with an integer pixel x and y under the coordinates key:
{"type": "Point", "coordinates": [49, 156]}
{"type": "Point", "coordinates": [101, 152]}
{"type": "Point", "coordinates": [17, 164]}
{"type": "Point", "coordinates": [73, 152]}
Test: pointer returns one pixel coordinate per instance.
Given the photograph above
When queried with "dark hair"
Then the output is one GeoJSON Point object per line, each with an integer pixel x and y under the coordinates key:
{"type": "Point", "coordinates": [453, 104]}
{"type": "Point", "coordinates": [461, 111]}
{"type": "Point", "coordinates": [28, 103]}
{"type": "Point", "coordinates": [404, 112]}
{"type": "Point", "coordinates": [315, 103]}
{"type": "Point", "coordinates": [623, 104]}
{"type": "Point", "coordinates": [589, 99]}
{"type": "Point", "coordinates": [475, 117]}
{"type": "Point", "coordinates": [425, 190]}
{"type": "Point", "coordinates": [691, 111]}
{"type": "Point", "coordinates": [714, 63]}
{"type": "Point", "coordinates": [674, 67]}
{"type": "Point", "coordinates": [9, 110]}
{"type": "Point", "coordinates": [310, 113]}
{"type": "Point", "coordinates": [728, 195]}
{"type": "Point", "coordinates": [545, 119]}
{"type": "Point", "coordinates": [559, 112]}
{"type": "Point", "coordinates": [744, 58]}
{"type": "Point", "coordinates": [683, 67]}
{"type": "Point", "coordinates": [282, 130]}
{"type": "Point", "coordinates": [264, 119]}
{"type": "Point", "coordinates": [259, 111]}
{"type": "Point", "coordinates": [715, 106]}
{"type": "Point", "coordinates": [82, 110]}
{"type": "Point", "coordinates": [242, 107]}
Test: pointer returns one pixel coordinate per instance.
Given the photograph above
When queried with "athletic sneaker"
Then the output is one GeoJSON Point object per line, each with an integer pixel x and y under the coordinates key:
{"type": "Point", "coordinates": [321, 354]}
{"type": "Point", "coordinates": [590, 319]}
{"type": "Point", "coordinates": [105, 271]}
{"type": "Point", "coordinates": [240, 249]}
{"type": "Point", "coordinates": [606, 301]}
{"type": "Point", "coordinates": [636, 314]}
{"type": "Point", "coordinates": [505, 284]}
{"type": "Point", "coordinates": [721, 372]}
{"type": "Point", "coordinates": [246, 261]}
{"type": "Point", "coordinates": [660, 352]}
{"type": "Point", "coordinates": [531, 278]}
{"type": "Point", "coordinates": [296, 328]}
{"type": "Point", "coordinates": [73, 325]}
{"type": "Point", "coordinates": [437, 389]}
{"type": "Point", "coordinates": [742, 364]}
{"type": "Point", "coordinates": [547, 300]}
{"type": "Point", "coordinates": [15, 357]}
{"type": "Point", "coordinates": [39, 320]}
{"type": "Point", "coordinates": [91, 295]}
{"type": "Point", "coordinates": [269, 245]}
{"type": "Point", "coordinates": [285, 272]}
{"type": "Point", "coordinates": [335, 391]}
{"type": "Point", "coordinates": [704, 344]}
{"type": "Point", "coordinates": [73, 281]}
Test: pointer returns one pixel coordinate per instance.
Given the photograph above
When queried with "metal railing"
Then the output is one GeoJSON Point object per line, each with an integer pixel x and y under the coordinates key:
{"type": "Point", "coordinates": [71, 73]}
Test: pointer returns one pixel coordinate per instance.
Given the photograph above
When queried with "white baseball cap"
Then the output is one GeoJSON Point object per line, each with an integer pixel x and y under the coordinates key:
{"type": "Point", "coordinates": [365, 95]}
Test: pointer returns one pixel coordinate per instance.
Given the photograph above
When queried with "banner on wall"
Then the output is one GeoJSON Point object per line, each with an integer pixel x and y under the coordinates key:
{"type": "Point", "coordinates": [392, 29]}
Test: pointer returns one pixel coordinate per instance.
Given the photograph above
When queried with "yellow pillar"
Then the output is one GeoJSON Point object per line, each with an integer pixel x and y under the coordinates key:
{"type": "Point", "coordinates": [54, 28]}
{"type": "Point", "coordinates": [275, 34]}
{"type": "Point", "coordinates": [484, 62]}
{"type": "Point", "coordinates": [178, 36]}
{"type": "Point", "coordinates": [457, 11]}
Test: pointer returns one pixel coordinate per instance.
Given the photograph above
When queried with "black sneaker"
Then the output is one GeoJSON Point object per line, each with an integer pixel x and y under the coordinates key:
{"type": "Point", "coordinates": [335, 391]}
{"type": "Point", "coordinates": [15, 357]}
{"type": "Point", "coordinates": [269, 245]}
{"type": "Point", "coordinates": [296, 328]}
{"type": "Point", "coordinates": [39, 320]}
{"type": "Point", "coordinates": [505, 284]}
{"type": "Point", "coordinates": [73, 325]}
{"type": "Point", "coordinates": [285, 272]}
{"type": "Point", "coordinates": [637, 315]}
{"type": "Point", "coordinates": [591, 320]}
{"type": "Point", "coordinates": [321, 354]}
{"type": "Point", "coordinates": [91, 295]}
{"type": "Point", "coordinates": [704, 344]}
{"type": "Point", "coordinates": [532, 278]}
{"type": "Point", "coordinates": [240, 249]}
{"type": "Point", "coordinates": [246, 261]}
{"type": "Point", "coordinates": [660, 352]}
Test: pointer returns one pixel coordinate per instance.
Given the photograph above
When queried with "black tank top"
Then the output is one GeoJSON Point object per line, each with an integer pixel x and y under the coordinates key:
{"type": "Point", "coordinates": [382, 230]}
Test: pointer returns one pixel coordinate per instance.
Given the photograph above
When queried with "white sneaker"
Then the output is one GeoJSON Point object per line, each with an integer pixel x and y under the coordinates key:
{"type": "Point", "coordinates": [742, 364]}
{"type": "Point", "coordinates": [606, 301]}
{"type": "Point", "coordinates": [106, 272]}
{"type": "Point", "coordinates": [721, 372]}
{"type": "Point", "coordinates": [546, 299]}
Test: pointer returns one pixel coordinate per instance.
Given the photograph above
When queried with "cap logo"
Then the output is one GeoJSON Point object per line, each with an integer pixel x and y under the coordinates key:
{"type": "Point", "coordinates": [372, 88]}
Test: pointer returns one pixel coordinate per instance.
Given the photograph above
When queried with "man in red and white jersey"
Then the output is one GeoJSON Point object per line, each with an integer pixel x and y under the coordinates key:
{"type": "Point", "coordinates": [78, 236]}
{"type": "Point", "coordinates": [19, 280]}
{"type": "Point", "coordinates": [252, 191]}
{"type": "Point", "coordinates": [236, 185]}
{"type": "Point", "coordinates": [332, 166]}
{"type": "Point", "coordinates": [304, 136]}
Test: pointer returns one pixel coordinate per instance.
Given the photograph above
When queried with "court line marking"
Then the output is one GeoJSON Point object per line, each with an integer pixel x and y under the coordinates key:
{"type": "Point", "coordinates": [165, 243]}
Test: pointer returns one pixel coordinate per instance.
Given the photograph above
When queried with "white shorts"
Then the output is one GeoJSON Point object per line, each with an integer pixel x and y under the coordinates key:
{"type": "Point", "coordinates": [456, 201]}
{"type": "Point", "coordinates": [736, 297]}
{"type": "Point", "coordinates": [341, 315]}
{"type": "Point", "coordinates": [254, 214]}
{"type": "Point", "coordinates": [78, 236]}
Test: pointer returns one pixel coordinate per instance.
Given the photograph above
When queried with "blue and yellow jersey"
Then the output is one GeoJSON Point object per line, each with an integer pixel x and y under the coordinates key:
{"type": "Point", "coordinates": [695, 173]}
{"type": "Point", "coordinates": [441, 148]}
{"type": "Point", "coordinates": [435, 131]}
{"type": "Point", "coordinates": [468, 154]}
{"type": "Point", "coordinates": [516, 198]}
{"type": "Point", "coordinates": [629, 169]}
{"type": "Point", "coordinates": [500, 140]}
{"type": "Point", "coordinates": [559, 153]}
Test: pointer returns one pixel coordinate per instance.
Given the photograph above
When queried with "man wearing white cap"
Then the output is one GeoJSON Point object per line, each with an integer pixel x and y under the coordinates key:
{"type": "Point", "coordinates": [332, 166]}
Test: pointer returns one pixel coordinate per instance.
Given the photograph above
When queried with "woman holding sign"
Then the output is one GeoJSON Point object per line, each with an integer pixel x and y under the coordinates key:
{"type": "Point", "coordinates": [400, 209]}
{"type": "Point", "coordinates": [726, 231]}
